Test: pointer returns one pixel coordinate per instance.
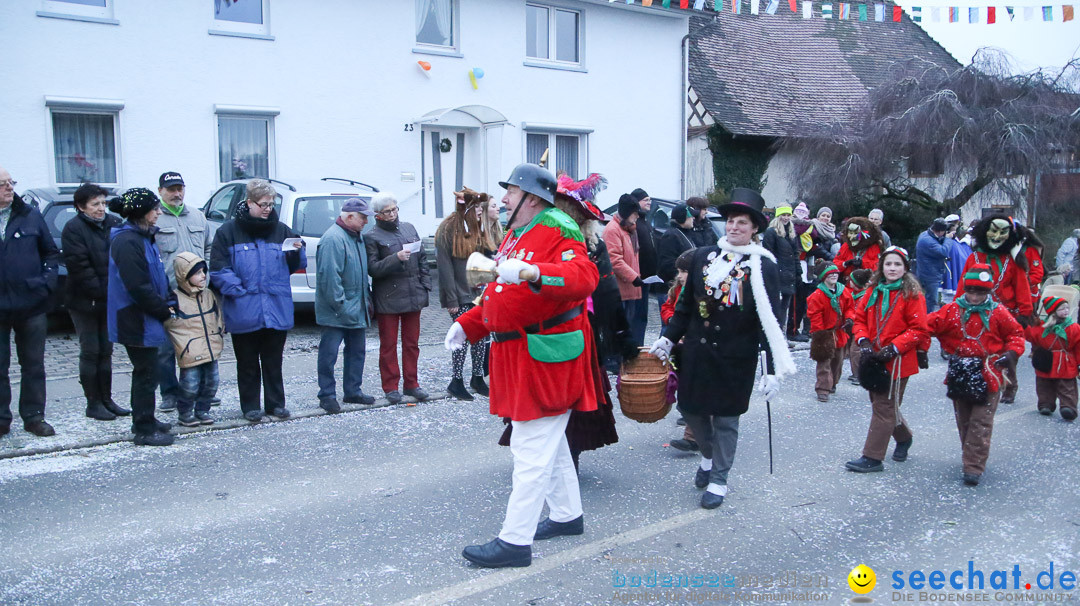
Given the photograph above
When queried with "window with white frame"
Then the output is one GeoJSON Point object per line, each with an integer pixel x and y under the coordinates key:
{"type": "Point", "coordinates": [436, 24]}
{"type": "Point", "coordinates": [95, 10]}
{"type": "Point", "coordinates": [84, 147]}
{"type": "Point", "coordinates": [242, 17]}
{"type": "Point", "coordinates": [564, 152]}
{"type": "Point", "coordinates": [553, 34]}
{"type": "Point", "coordinates": [245, 146]}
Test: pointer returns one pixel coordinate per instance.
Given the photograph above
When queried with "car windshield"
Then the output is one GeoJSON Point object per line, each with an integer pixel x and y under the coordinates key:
{"type": "Point", "coordinates": [57, 216]}
{"type": "Point", "coordinates": [312, 216]}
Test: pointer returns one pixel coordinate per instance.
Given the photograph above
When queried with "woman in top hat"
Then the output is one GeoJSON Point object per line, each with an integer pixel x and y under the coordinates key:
{"type": "Point", "coordinates": [726, 316]}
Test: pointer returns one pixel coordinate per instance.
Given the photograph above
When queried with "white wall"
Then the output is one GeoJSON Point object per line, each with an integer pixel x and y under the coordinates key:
{"type": "Point", "coordinates": [345, 79]}
{"type": "Point", "coordinates": [699, 167]}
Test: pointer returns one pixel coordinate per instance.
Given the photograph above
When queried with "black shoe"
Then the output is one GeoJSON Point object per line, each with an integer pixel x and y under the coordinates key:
{"type": "Point", "coordinates": [710, 500]}
{"type": "Point", "coordinates": [98, 411]}
{"type": "Point", "coordinates": [499, 554]}
{"type": "Point", "coordinates": [330, 405]}
{"type": "Point", "coordinates": [548, 529]}
{"type": "Point", "coordinates": [167, 405]}
{"type": "Point", "coordinates": [865, 465]}
{"type": "Point", "coordinates": [457, 389]}
{"type": "Point", "coordinates": [685, 445]}
{"type": "Point", "coordinates": [157, 438]}
{"type": "Point", "coordinates": [280, 412]}
{"type": "Point", "coordinates": [1043, 410]}
{"type": "Point", "coordinates": [479, 386]}
{"type": "Point", "coordinates": [188, 419]}
{"type": "Point", "coordinates": [5, 429]}
{"type": "Point", "coordinates": [681, 422]}
{"type": "Point", "coordinates": [701, 478]}
{"type": "Point", "coordinates": [393, 397]}
{"type": "Point", "coordinates": [1068, 414]}
{"type": "Point", "coordinates": [204, 418]}
{"type": "Point", "coordinates": [254, 416]}
{"type": "Point", "coordinates": [162, 426]}
{"type": "Point", "coordinates": [971, 479]}
{"type": "Point", "coordinates": [359, 399]}
{"type": "Point", "coordinates": [899, 454]}
{"type": "Point", "coordinates": [215, 402]}
{"type": "Point", "coordinates": [40, 429]}
{"type": "Point", "coordinates": [853, 379]}
{"type": "Point", "coordinates": [799, 338]}
{"type": "Point", "coordinates": [417, 393]}
{"type": "Point", "coordinates": [116, 409]}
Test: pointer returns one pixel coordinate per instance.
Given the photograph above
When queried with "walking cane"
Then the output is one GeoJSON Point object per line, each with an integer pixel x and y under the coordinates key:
{"type": "Point", "coordinates": [768, 406]}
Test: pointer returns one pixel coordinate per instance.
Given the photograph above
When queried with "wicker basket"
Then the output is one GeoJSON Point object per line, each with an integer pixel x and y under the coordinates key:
{"type": "Point", "coordinates": [643, 389]}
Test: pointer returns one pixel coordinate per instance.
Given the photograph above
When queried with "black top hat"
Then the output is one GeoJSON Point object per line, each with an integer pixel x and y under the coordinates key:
{"type": "Point", "coordinates": [746, 201]}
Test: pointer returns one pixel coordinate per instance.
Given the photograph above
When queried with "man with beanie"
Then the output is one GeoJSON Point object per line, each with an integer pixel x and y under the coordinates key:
{"type": "Point", "coordinates": [179, 230]}
{"type": "Point", "coordinates": [703, 234]}
{"type": "Point", "coordinates": [647, 258]}
{"type": "Point", "coordinates": [675, 241]}
{"type": "Point", "coordinates": [622, 247]}
{"type": "Point", "coordinates": [931, 254]}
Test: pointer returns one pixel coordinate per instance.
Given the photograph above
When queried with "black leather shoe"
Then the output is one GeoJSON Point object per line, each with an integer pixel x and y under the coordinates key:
{"type": "Point", "coordinates": [155, 439]}
{"type": "Point", "coordinates": [1046, 411]}
{"type": "Point", "coordinates": [685, 445]}
{"type": "Point", "coordinates": [865, 465]}
{"type": "Point", "coordinates": [899, 454]}
{"type": "Point", "coordinates": [479, 386]}
{"type": "Point", "coordinates": [330, 406]}
{"type": "Point", "coordinates": [253, 416]}
{"type": "Point", "coordinates": [162, 426]}
{"type": "Point", "coordinates": [499, 554]}
{"type": "Point", "coordinates": [971, 479]}
{"type": "Point", "coordinates": [393, 397]}
{"type": "Point", "coordinates": [701, 478]}
{"type": "Point", "coordinates": [711, 501]}
{"type": "Point", "coordinates": [548, 529]}
{"type": "Point", "coordinates": [457, 389]}
{"type": "Point", "coordinates": [799, 338]}
{"type": "Point", "coordinates": [281, 413]}
{"type": "Point", "coordinates": [99, 412]}
{"type": "Point", "coordinates": [40, 429]}
{"type": "Point", "coordinates": [417, 393]}
{"type": "Point", "coordinates": [359, 399]}
{"type": "Point", "coordinates": [1068, 414]}
{"type": "Point", "coordinates": [116, 409]}
{"type": "Point", "coordinates": [681, 422]}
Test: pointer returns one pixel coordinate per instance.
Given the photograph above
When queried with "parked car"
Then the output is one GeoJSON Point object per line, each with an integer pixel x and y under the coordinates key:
{"type": "Point", "coordinates": [308, 206]}
{"type": "Point", "coordinates": [659, 215]}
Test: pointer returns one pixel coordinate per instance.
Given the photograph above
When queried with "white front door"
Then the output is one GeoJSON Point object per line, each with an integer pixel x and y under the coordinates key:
{"type": "Point", "coordinates": [449, 164]}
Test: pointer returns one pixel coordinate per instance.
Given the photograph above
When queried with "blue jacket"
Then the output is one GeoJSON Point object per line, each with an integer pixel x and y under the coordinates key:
{"type": "Point", "coordinates": [249, 269]}
{"type": "Point", "coordinates": [931, 254]}
{"type": "Point", "coordinates": [29, 260]}
{"type": "Point", "coordinates": [138, 288]}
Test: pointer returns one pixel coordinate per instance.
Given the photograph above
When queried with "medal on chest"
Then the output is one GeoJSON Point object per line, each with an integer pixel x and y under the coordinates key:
{"type": "Point", "coordinates": [729, 292]}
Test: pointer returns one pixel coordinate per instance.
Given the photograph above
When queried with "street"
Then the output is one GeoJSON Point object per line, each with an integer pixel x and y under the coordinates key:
{"type": "Point", "coordinates": [374, 506]}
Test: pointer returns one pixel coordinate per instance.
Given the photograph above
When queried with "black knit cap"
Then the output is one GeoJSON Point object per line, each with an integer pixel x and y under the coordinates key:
{"type": "Point", "coordinates": [628, 206]}
{"type": "Point", "coordinates": [679, 213]}
{"type": "Point", "coordinates": [135, 203]}
{"type": "Point", "coordinates": [639, 194]}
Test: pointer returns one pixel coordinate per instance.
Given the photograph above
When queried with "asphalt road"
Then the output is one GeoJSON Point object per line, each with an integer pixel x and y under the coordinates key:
{"type": "Point", "coordinates": [373, 507]}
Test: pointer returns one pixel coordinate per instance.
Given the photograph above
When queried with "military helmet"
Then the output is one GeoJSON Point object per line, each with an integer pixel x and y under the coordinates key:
{"type": "Point", "coordinates": [533, 179]}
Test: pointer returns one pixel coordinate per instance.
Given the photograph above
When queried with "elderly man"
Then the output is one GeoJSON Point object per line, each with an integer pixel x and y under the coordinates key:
{"type": "Point", "coordinates": [931, 255]}
{"type": "Point", "coordinates": [1067, 257]}
{"type": "Point", "coordinates": [877, 216]}
{"type": "Point", "coordinates": [541, 356]}
{"type": "Point", "coordinates": [29, 263]}
{"type": "Point", "coordinates": [179, 230]}
{"type": "Point", "coordinates": [343, 304]}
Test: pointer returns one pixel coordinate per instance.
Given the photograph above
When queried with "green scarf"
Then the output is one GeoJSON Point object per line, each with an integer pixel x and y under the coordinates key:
{"type": "Point", "coordinates": [983, 309]}
{"type": "Point", "coordinates": [174, 211]}
{"type": "Point", "coordinates": [884, 291]}
{"type": "Point", "coordinates": [834, 297]}
{"type": "Point", "coordinates": [1059, 329]}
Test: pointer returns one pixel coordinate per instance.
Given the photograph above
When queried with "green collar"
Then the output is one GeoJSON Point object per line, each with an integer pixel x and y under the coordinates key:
{"type": "Point", "coordinates": [1059, 329]}
{"type": "Point", "coordinates": [884, 291]}
{"type": "Point", "coordinates": [175, 211]}
{"type": "Point", "coordinates": [556, 219]}
{"type": "Point", "coordinates": [983, 309]}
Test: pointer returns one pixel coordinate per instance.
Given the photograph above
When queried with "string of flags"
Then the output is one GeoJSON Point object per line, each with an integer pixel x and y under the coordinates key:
{"type": "Point", "coordinates": [874, 11]}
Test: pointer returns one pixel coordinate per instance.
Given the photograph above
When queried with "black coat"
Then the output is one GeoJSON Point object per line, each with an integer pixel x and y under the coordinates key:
{"type": "Point", "coordinates": [719, 353]}
{"type": "Point", "coordinates": [648, 240]}
{"type": "Point", "coordinates": [786, 251]}
{"type": "Point", "coordinates": [609, 324]}
{"type": "Point", "coordinates": [673, 243]}
{"type": "Point", "coordinates": [702, 233]}
{"type": "Point", "coordinates": [29, 260]}
{"type": "Point", "coordinates": [85, 247]}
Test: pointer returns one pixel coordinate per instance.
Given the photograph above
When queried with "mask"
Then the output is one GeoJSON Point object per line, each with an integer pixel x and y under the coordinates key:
{"type": "Point", "coordinates": [853, 234]}
{"type": "Point", "coordinates": [998, 233]}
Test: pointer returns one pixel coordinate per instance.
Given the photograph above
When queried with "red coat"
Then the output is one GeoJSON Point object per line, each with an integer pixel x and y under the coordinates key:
{"type": "Point", "coordinates": [1036, 271]}
{"type": "Point", "coordinates": [904, 327]}
{"type": "Point", "coordinates": [668, 308]}
{"type": "Point", "coordinates": [974, 341]}
{"type": "Point", "coordinates": [524, 388]}
{"type": "Point", "coordinates": [824, 317]}
{"type": "Point", "coordinates": [1011, 287]}
{"type": "Point", "coordinates": [869, 258]}
{"type": "Point", "coordinates": [624, 259]}
{"type": "Point", "coordinates": [1066, 351]}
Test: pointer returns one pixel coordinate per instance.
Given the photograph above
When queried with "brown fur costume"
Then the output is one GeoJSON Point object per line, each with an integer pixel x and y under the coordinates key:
{"type": "Point", "coordinates": [865, 243]}
{"type": "Point", "coordinates": [978, 234]}
{"type": "Point", "coordinates": [461, 233]}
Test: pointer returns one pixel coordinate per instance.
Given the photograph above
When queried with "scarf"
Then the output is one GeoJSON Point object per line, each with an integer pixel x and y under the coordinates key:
{"type": "Point", "coordinates": [173, 210]}
{"type": "Point", "coordinates": [828, 230]}
{"type": "Point", "coordinates": [783, 364]}
{"type": "Point", "coordinates": [387, 225]}
{"type": "Point", "coordinates": [1058, 328]}
{"type": "Point", "coordinates": [834, 297]}
{"type": "Point", "coordinates": [884, 292]}
{"type": "Point", "coordinates": [352, 232]}
{"type": "Point", "coordinates": [983, 309]}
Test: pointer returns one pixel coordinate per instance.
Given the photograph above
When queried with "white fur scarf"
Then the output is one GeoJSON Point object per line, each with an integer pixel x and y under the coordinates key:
{"type": "Point", "coordinates": [783, 364]}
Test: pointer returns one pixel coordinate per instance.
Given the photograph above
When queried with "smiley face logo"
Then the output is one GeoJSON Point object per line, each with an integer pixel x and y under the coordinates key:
{"type": "Point", "coordinates": [862, 579]}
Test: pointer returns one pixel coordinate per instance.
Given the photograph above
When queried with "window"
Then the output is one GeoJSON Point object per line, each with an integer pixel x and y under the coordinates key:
{"type": "Point", "coordinates": [313, 216]}
{"type": "Point", "coordinates": [926, 161]}
{"type": "Point", "coordinates": [553, 34]}
{"type": "Point", "coordinates": [563, 152]}
{"type": "Point", "coordinates": [84, 147]}
{"type": "Point", "coordinates": [244, 147]}
{"type": "Point", "coordinates": [436, 23]}
{"type": "Point", "coordinates": [245, 18]}
{"type": "Point", "coordinates": [98, 11]}
{"type": "Point", "coordinates": [224, 201]}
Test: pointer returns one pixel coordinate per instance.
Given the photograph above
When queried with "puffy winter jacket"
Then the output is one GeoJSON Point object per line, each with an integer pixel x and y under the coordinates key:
{"type": "Point", "coordinates": [675, 241]}
{"type": "Point", "coordinates": [86, 254]}
{"type": "Point", "coordinates": [251, 271]}
{"type": "Point", "coordinates": [185, 233]}
{"type": "Point", "coordinates": [138, 288]}
{"type": "Point", "coordinates": [624, 259]}
{"type": "Point", "coordinates": [931, 253]}
{"type": "Point", "coordinates": [786, 251]}
{"type": "Point", "coordinates": [29, 260]}
{"type": "Point", "coordinates": [397, 286]}
{"type": "Point", "coordinates": [342, 295]}
{"type": "Point", "coordinates": [903, 327]}
{"type": "Point", "coordinates": [195, 330]}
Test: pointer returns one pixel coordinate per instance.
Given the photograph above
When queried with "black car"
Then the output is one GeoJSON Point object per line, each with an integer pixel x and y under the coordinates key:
{"type": "Point", "coordinates": [659, 215]}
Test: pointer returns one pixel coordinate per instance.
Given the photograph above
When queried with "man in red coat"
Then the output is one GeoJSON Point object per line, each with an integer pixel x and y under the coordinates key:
{"type": "Point", "coordinates": [982, 338]}
{"type": "Point", "coordinates": [1055, 356]}
{"type": "Point", "coordinates": [832, 316]}
{"type": "Point", "coordinates": [540, 361]}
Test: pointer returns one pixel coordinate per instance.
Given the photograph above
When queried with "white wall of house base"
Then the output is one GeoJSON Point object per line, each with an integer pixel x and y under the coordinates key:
{"type": "Point", "coordinates": [699, 167]}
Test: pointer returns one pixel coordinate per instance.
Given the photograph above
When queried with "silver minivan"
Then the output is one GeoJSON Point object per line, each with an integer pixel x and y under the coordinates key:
{"type": "Point", "coordinates": [308, 206]}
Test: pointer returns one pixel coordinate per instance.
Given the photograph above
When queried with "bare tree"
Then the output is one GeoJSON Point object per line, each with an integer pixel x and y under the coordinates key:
{"type": "Point", "coordinates": [983, 127]}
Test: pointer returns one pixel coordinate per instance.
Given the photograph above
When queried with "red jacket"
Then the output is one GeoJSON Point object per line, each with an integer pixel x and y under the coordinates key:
{"type": "Point", "coordinates": [668, 308]}
{"type": "Point", "coordinates": [903, 328]}
{"type": "Point", "coordinates": [974, 341]}
{"type": "Point", "coordinates": [624, 259]}
{"type": "Point", "coordinates": [869, 258]}
{"type": "Point", "coordinates": [1011, 287]}
{"type": "Point", "coordinates": [522, 387]}
{"type": "Point", "coordinates": [824, 317]}
{"type": "Point", "coordinates": [1066, 351]}
{"type": "Point", "coordinates": [1036, 271]}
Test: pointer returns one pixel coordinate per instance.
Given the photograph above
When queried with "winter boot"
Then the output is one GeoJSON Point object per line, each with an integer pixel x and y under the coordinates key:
{"type": "Point", "coordinates": [864, 464]}
{"type": "Point", "coordinates": [457, 389]}
{"type": "Point", "coordinates": [899, 454]}
{"type": "Point", "coordinates": [97, 410]}
{"type": "Point", "coordinates": [115, 408]}
{"type": "Point", "coordinates": [478, 385]}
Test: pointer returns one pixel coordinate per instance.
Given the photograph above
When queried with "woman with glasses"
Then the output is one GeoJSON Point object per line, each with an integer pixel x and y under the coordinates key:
{"type": "Point", "coordinates": [250, 265]}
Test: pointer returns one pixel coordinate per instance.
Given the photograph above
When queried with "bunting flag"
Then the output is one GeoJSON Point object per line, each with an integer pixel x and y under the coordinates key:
{"type": "Point", "coordinates": [1067, 12]}
{"type": "Point", "coordinates": [1048, 13]}
{"type": "Point", "coordinates": [718, 5]}
{"type": "Point", "coordinates": [699, 5]}
{"type": "Point", "coordinates": [862, 12]}
{"type": "Point", "coordinates": [736, 6]}
{"type": "Point", "coordinates": [684, 4]}
{"type": "Point", "coordinates": [954, 14]}
{"type": "Point", "coordinates": [973, 14]}
{"type": "Point", "coordinates": [1029, 12]}
{"type": "Point", "coordinates": [897, 13]}
{"type": "Point", "coordinates": [646, 2]}
{"type": "Point", "coordinates": [791, 3]}
{"type": "Point", "coordinates": [807, 9]}
{"type": "Point", "coordinates": [826, 11]}
{"type": "Point", "coordinates": [879, 12]}
{"type": "Point", "coordinates": [845, 11]}
{"type": "Point", "coordinates": [991, 14]}
{"type": "Point", "coordinates": [773, 6]}
{"type": "Point", "coordinates": [667, 3]}
{"type": "Point", "coordinates": [755, 7]}
{"type": "Point", "coordinates": [916, 14]}
{"type": "Point", "coordinates": [935, 14]}
{"type": "Point", "coordinates": [1011, 11]}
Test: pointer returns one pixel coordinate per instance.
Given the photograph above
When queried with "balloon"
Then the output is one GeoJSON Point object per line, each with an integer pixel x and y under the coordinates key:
{"type": "Point", "coordinates": [479, 72]}
{"type": "Point", "coordinates": [472, 78]}
{"type": "Point", "coordinates": [425, 68]}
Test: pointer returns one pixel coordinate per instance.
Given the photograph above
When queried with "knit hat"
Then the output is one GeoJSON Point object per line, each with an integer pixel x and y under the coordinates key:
{"type": "Point", "coordinates": [823, 209]}
{"type": "Point", "coordinates": [829, 269]}
{"type": "Point", "coordinates": [135, 203]}
{"type": "Point", "coordinates": [639, 194]}
{"type": "Point", "coordinates": [683, 261]}
{"type": "Point", "coordinates": [679, 213]}
{"type": "Point", "coordinates": [939, 224]}
{"type": "Point", "coordinates": [783, 210]}
{"type": "Point", "coordinates": [902, 252]}
{"type": "Point", "coordinates": [628, 206]}
{"type": "Point", "coordinates": [978, 276]}
{"type": "Point", "coordinates": [860, 277]}
{"type": "Point", "coordinates": [1052, 303]}
{"type": "Point", "coordinates": [801, 211]}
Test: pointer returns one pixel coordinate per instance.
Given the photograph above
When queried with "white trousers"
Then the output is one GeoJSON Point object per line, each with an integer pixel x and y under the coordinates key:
{"type": "Point", "coordinates": [543, 472]}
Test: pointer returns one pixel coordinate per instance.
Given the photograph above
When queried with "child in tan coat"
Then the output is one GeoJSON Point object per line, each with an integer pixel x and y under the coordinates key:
{"type": "Point", "coordinates": [196, 332]}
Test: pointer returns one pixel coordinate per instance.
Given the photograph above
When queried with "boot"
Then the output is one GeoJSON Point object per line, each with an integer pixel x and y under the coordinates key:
{"type": "Point", "coordinates": [98, 410]}
{"type": "Point", "coordinates": [478, 385]}
{"type": "Point", "coordinates": [899, 454]}
{"type": "Point", "coordinates": [115, 408]}
{"type": "Point", "coordinates": [457, 389]}
{"type": "Point", "coordinates": [864, 464]}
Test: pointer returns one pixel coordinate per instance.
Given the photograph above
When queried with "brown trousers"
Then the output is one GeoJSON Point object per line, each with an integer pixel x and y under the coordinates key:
{"type": "Point", "coordinates": [975, 422]}
{"type": "Point", "coordinates": [884, 423]}
{"type": "Point", "coordinates": [1049, 391]}
{"type": "Point", "coordinates": [853, 357]}
{"type": "Point", "coordinates": [828, 373]}
{"type": "Point", "coordinates": [1012, 386]}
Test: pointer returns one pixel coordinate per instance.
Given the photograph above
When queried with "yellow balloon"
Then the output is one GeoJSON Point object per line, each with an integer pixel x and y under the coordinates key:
{"type": "Point", "coordinates": [862, 579]}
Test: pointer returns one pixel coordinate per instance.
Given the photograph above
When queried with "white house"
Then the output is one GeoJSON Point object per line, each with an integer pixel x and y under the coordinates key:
{"type": "Point", "coordinates": [118, 91]}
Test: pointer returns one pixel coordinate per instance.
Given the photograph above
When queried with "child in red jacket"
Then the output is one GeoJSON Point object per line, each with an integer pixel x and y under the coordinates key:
{"type": "Point", "coordinates": [982, 338]}
{"type": "Point", "coordinates": [832, 315]}
{"type": "Point", "coordinates": [1055, 355]}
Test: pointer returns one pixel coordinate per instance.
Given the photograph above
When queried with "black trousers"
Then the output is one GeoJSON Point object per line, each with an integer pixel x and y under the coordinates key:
{"type": "Point", "coordinates": [29, 328]}
{"type": "Point", "coordinates": [802, 291]}
{"type": "Point", "coordinates": [258, 363]}
{"type": "Point", "coordinates": [95, 353]}
{"type": "Point", "coordinates": [144, 379]}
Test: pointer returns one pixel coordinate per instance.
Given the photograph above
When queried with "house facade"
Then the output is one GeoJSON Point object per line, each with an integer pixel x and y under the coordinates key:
{"type": "Point", "coordinates": [417, 97]}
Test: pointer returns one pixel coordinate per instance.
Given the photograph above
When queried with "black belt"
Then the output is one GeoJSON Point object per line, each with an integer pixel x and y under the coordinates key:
{"type": "Point", "coordinates": [566, 316]}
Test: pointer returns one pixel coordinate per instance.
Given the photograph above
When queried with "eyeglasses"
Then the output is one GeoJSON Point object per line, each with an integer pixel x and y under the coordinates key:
{"type": "Point", "coordinates": [266, 206]}
{"type": "Point", "coordinates": [9, 183]}
{"type": "Point", "coordinates": [388, 211]}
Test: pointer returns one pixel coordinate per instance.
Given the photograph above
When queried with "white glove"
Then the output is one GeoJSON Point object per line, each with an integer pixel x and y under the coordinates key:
{"type": "Point", "coordinates": [510, 271]}
{"type": "Point", "coordinates": [769, 386]}
{"type": "Point", "coordinates": [455, 337]}
{"type": "Point", "coordinates": [662, 348]}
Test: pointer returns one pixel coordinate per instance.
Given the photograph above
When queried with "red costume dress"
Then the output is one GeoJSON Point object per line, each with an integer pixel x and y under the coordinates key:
{"type": "Point", "coordinates": [869, 258]}
{"type": "Point", "coordinates": [825, 315]}
{"type": "Point", "coordinates": [1059, 381]}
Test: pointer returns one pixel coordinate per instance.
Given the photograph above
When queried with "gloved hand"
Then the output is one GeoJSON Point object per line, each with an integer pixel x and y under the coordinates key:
{"type": "Point", "coordinates": [1007, 360]}
{"type": "Point", "coordinates": [455, 337]}
{"type": "Point", "coordinates": [924, 360]}
{"type": "Point", "coordinates": [516, 271]}
{"type": "Point", "coordinates": [849, 326]}
{"type": "Point", "coordinates": [864, 347]}
{"type": "Point", "coordinates": [662, 348]}
{"type": "Point", "coordinates": [628, 348]}
{"type": "Point", "coordinates": [769, 386]}
{"type": "Point", "coordinates": [856, 263]}
{"type": "Point", "coordinates": [637, 282]}
{"type": "Point", "coordinates": [887, 353]}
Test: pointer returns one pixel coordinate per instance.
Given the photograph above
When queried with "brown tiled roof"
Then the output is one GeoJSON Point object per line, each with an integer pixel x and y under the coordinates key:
{"type": "Point", "coordinates": [782, 76]}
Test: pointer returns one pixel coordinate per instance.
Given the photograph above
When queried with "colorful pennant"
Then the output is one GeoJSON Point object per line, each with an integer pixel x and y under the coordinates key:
{"type": "Point", "coordinates": [826, 11]}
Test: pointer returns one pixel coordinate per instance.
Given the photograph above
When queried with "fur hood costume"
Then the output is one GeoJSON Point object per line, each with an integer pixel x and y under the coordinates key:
{"type": "Point", "coordinates": [463, 233]}
{"type": "Point", "coordinates": [861, 246]}
{"type": "Point", "coordinates": [997, 244]}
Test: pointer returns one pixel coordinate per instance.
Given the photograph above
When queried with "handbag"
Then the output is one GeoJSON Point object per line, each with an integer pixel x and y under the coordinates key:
{"type": "Point", "coordinates": [964, 380]}
{"type": "Point", "coordinates": [1042, 359]}
{"type": "Point", "coordinates": [822, 345]}
{"type": "Point", "coordinates": [873, 374]}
